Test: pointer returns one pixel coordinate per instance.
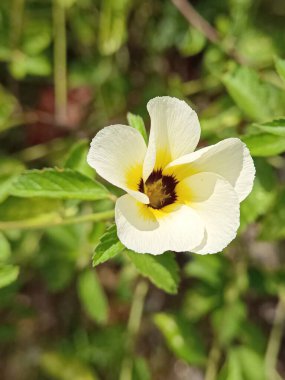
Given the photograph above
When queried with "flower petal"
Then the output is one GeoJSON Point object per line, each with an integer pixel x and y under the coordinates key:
{"type": "Point", "coordinates": [117, 153]}
{"type": "Point", "coordinates": [145, 230]}
{"type": "Point", "coordinates": [216, 202]}
{"type": "Point", "coordinates": [175, 131]}
{"type": "Point", "coordinates": [229, 158]}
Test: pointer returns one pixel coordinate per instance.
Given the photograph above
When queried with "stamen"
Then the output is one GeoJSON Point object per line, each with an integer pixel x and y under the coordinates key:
{"type": "Point", "coordinates": [160, 189]}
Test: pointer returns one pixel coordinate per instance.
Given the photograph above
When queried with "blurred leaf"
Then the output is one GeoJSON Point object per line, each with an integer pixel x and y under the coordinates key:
{"type": "Point", "coordinates": [8, 274]}
{"type": "Point", "coordinates": [8, 108]}
{"type": "Point", "coordinates": [280, 67]}
{"type": "Point", "coordinates": [37, 37]}
{"type": "Point", "coordinates": [182, 338]}
{"type": "Point", "coordinates": [66, 3]}
{"type": "Point", "coordinates": [137, 122]}
{"type": "Point", "coordinates": [23, 65]}
{"type": "Point", "coordinates": [26, 209]}
{"type": "Point", "coordinates": [258, 100]}
{"type": "Point", "coordinates": [5, 249]}
{"type": "Point", "coordinates": [192, 42]}
{"type": "Point", "coordinates": [112, 25]}
{"type": "Point", "coordinates": [252, 364]}
{"type": "Point", "coordinates": [77, 159]}
{"type": "Point", "coordinates": [108, 247]}
{"type": "Point", "coordinates": [273, 227]}
{"type": "Point", "coordinates": [58, 183]}
{"type": "Point", "coordinates": [263, 193]}
{"type": "Point", "coordinates": [274, 127]}
{"type": "Point", "coordinates": [208, 268]}
{"type": "Point", "coordinates": [61, 367]}
{"type": "Point", "coordinates": [92, 296]}
{"type": "Point", "coordinates": [162, 270]}
{"type": "Point", "coordinates": [264, 144]}
{"type": "Point", "coordinates": [230, 317]}
{"type": "Point", "coordinates": [141, 370]}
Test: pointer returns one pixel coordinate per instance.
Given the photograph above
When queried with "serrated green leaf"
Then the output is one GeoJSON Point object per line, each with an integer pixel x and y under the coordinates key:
{"type": "Point", "coordinates": [108, 247]}
{"type": "Point", "coordinates": [162, 270]}
{"type": "Point", "coordinates": [280, 67]}
{"type": "Point", "coordinates": [76, 159]}
{"type": "Point", "coordinates": [92, 296]}
{"type": "Point", "coordinates": [182, 338]}
{"type": "Point", "coordinates": [8, 274]}
{"type": "Point", "coordinates": [58, 183]}
{"type": "Point", "coordinates": [258, 100]}
{"type": "Point", "coordinates": [137, 122]}
{"type": "Point", "coordinates": [264, 144]}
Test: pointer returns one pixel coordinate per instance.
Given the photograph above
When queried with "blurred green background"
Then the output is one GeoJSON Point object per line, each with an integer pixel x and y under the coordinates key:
{"type": "Point", "coordinates": [71, 67]}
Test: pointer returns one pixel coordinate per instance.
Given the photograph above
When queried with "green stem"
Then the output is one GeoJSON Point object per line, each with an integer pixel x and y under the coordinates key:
{"type": "Point", "coordinates": [213, 362]}
{"type": "Point", "coordinates": [17, 12]}
{"type": "Point", "coordinates": [60, 68]}
{"type": "Point", "coordinates": [275, 338]}
{"type": "Point", "coordinates": [54, 220]}
{"type": "Point", "coordinates": [133, 328]}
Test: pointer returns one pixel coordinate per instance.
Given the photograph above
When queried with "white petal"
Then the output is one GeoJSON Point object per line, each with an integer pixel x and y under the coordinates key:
{"type": "Point", "coordinates": [216, 202]}
{"type": "Point", "coordinates": [117, 153]}
{"type": "Point", "coordinates": [175, 131]}
{"type": "Point", "coordinates": [145, 230]}
{"type": "Point", "coordinates": [229, 158]}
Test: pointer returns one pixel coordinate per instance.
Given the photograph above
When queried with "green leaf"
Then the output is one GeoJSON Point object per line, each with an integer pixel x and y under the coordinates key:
{"type": "Point", "coordinates": [280, 67]}
{"type": "Point", "coordinates": [61, 367]}
{"type": "Point", "coordinates": [108, 247]}
{"type": "Point", "coordinates": [58, 183]}
{"type": "Point", "coordinates": [8, 274]}
{"type": "Point", "coordinates": [76, 159]}
{"type": "Point", "coordinates": [258, 100]}
{"type": "Point", "coordinates": [182, 338]}
{"type": "Point", "coordinates": [5, 249]}
{"type": "Point", "coordinates": [137, 122]}
{"type": "Point", "coordinates": [252, 364]}
{"type": "Point", "coordinates": [92, 296]}
{"type": "Point", "coordinates": [162, 270]}
{"type": "Point", "coordinates": [262, 196]}
{"type": "Point", "coordinates": [274, 127]}
{"type": "Point", "coordinates": [273, 226]}
{"type": "Point", "coordinates": [264, 144]}
{"type": "Point", "coordinates": [25, 209]}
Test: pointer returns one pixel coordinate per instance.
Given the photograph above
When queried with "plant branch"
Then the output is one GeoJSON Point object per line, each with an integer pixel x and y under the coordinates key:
{"type": "Point", "coordinates": [133, 328]}
{"type": "Point", "coordinates": [60, 69]}
{"type": "Point", "coordinates": [54, 220]}
{"type": "Point", "coordinates": [213, 362]}
{"type": "Point", "coordinates": [198, 22]}
{"type": "Point", "coordinates": [275, 338]}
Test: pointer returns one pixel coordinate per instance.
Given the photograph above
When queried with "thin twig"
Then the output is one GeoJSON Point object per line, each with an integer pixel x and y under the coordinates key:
{"type": "Point", "coordinates": [60, 67]}
{"type": "Point", "coordinates": [213, 362]}
{"type": "Point", "coordinates": [275, 338]}
{"type": "Point", "coordinates": [195, 19]}
{"type": "Point", "coordinates": [133, 328]}
{"type": "Point", "coordinates": [54, 220]}
{"type": "Point", "coordinates": [199, 23]}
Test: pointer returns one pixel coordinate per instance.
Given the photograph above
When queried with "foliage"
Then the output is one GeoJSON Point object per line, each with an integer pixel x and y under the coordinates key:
{"type": "Point", "coordinates": [135, 316]}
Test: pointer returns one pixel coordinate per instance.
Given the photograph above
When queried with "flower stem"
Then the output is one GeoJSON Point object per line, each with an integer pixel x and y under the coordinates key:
{"type": "Point", "coordinates": [60, 69]}
{"type": "Point", "coordinates": [133, 328]}
{"type": "Point", "coordinates": [54, 220]}
{"type": "Point", "coordinates": [275, 338]}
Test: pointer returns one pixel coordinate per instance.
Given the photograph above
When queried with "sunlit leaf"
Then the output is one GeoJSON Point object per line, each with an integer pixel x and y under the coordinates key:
{"type": "Point", "coordinates": [8, 274]}
{"type": "Point", "coordinates": [264, 144]}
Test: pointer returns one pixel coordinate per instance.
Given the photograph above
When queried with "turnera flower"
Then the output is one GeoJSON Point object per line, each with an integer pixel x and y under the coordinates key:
{"type": "Point", "coordinates": [177, 199]}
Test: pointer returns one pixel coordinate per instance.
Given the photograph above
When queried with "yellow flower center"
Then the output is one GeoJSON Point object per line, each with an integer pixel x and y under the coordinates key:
{"type": "Point", "coordinates": [160, 189]}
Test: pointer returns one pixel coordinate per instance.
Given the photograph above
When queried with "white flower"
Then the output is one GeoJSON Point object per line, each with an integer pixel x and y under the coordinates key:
{"type": "Point", "coordinates": [177, 199]}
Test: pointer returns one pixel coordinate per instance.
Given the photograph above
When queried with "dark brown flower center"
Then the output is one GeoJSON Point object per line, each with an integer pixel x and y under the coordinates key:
{"type": "Point", "coordinates": [160, 189]}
